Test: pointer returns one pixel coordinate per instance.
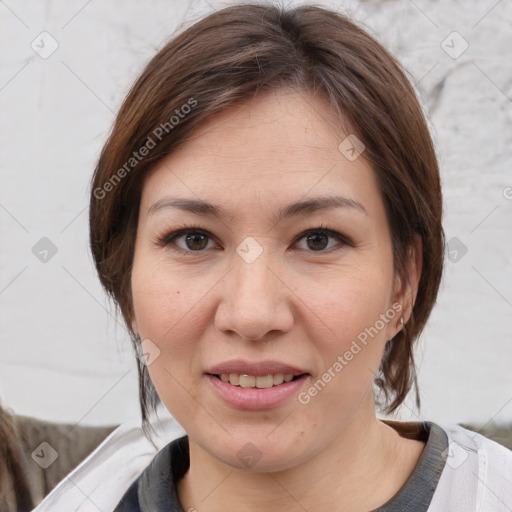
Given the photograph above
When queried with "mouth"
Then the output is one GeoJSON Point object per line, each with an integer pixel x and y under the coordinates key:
{"type": "Point", "coordinates": [256, 385]}
{"type": "Point", "coordinates": [257, 381]}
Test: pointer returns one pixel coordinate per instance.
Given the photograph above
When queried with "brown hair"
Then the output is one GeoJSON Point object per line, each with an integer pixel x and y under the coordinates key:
{"type": "Point", "coordinates": [236, 53]}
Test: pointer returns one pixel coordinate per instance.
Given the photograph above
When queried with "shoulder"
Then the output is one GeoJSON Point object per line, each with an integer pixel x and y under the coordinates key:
{"type": "Point", "coordinates": [477, 473]}
{"type": "Point", "coordinates": [155, 488]}
{"type": "Point", "coordinates": [103, 478]}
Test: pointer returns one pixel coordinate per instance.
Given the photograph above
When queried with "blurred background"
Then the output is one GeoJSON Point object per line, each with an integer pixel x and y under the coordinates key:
{"type": "Point", "coordinates": [65, 67]}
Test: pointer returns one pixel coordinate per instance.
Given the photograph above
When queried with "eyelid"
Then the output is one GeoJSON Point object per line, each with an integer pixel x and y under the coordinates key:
{"type": "Point", "coordinates": [324, 229]}
{"type": "Point", "coordinates": [167, 239]}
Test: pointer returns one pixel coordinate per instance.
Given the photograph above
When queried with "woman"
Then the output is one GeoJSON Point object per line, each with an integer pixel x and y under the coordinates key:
{"type": "Point", "coordinates": [267, 215]}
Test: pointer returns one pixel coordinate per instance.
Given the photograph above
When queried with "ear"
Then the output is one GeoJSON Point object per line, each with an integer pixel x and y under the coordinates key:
{"type": "Point", "coordinates": [405, 292]}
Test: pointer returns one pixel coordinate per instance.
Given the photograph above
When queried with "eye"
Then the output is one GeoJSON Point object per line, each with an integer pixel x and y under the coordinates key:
{"type": "Point", "coordinates": [318, 239]}
{"type": "Point", "coordinates": [195, 239]}
{"type": "Point", "coordinates": [189, 240]}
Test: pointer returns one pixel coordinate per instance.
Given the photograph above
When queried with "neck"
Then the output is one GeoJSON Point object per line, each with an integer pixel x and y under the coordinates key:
{"type": "Point", "coordinates": [367, 456]}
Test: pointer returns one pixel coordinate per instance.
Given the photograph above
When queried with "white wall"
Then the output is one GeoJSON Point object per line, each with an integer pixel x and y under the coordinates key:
{"type": "Point", "coordinates": [62, 355]}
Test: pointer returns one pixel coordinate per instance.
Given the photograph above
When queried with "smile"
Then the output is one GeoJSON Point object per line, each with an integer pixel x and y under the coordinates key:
{"type": "Point", "coordinates": [256, 392]}
{"type": "Point", "coordinates": [253, 381]}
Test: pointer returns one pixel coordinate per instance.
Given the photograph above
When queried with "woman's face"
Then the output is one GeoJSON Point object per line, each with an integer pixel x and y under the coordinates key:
{"type": "Point", "coordinates": [258, 289]}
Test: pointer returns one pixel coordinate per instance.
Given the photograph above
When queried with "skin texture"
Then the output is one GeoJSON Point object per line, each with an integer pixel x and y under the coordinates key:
{"type": "Point", "coordinates": [293, 304]}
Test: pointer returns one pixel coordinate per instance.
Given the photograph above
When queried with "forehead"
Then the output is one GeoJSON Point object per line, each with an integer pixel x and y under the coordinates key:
{"type": "Point", "coordinates": [273, 149]}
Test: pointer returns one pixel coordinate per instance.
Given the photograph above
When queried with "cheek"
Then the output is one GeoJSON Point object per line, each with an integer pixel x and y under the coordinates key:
{"type": "Point", "coordinates": [167, 313]}
{"type": "Point", "coordinates": [347, 307]}
{"type": "Point", "coordinates": [346, 325]}
{"type": "Point", "coordinates": [173, 309]}
{"type": "Point", "coordinates": [165, 308]}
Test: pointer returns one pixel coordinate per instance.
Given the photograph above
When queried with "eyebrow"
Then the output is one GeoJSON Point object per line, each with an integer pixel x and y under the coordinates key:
{"type": "Point", "coordinates": [315, 204]}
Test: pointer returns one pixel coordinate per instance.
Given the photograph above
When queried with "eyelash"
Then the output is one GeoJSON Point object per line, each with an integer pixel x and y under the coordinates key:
{"type": "Point", "coordinates": [167, 239]}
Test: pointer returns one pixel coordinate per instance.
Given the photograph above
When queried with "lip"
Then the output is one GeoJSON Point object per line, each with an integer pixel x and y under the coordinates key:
{"type": "Point", "coordinates": [253, 399]}
{"type": "Point", "coordinates": [257, 369]}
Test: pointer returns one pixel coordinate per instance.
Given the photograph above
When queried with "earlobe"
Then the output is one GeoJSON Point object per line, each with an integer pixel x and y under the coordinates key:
{"type": "Point", "coordinates": [414, 265]}
{"type": "Point", "coordinates": [398, 307]}
{"type": "Point", "coordinates": [406, 290]}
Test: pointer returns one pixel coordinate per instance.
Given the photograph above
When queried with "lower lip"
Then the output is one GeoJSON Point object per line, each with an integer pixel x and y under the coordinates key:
{"type": "Point", "coordinates": [253, 399]}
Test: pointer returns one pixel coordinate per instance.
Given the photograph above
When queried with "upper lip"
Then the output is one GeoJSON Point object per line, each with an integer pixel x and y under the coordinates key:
{"type": "Point", "coordinates": [259, 368]}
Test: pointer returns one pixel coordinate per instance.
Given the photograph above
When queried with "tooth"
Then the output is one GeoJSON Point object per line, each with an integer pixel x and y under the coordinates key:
{"type": "Point", "coordinates": [260, 382]}
{"type": "Point", "coordinates": [247, 381]}
{"type": "Point", "coordinates": [278, 379]}
{"type": "Point", "coordinates": [265, 381]}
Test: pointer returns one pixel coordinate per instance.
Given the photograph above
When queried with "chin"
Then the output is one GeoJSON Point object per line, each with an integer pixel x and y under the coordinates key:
{"type": "Point", "coordinates": [257, 454]}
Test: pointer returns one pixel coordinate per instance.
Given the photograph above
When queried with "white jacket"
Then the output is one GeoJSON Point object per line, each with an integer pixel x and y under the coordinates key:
{"type": "Point", "coordinates": [477, 476]}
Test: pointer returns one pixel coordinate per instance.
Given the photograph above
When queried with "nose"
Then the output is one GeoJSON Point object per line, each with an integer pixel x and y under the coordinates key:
{"type": "Point", "coordinates": [256, 302]}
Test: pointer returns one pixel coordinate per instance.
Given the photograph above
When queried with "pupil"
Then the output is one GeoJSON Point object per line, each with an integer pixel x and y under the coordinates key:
{"type": "Point", "coordinates": [317, 241]}
{"type": "Point", "coordinates": [196, 238]}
